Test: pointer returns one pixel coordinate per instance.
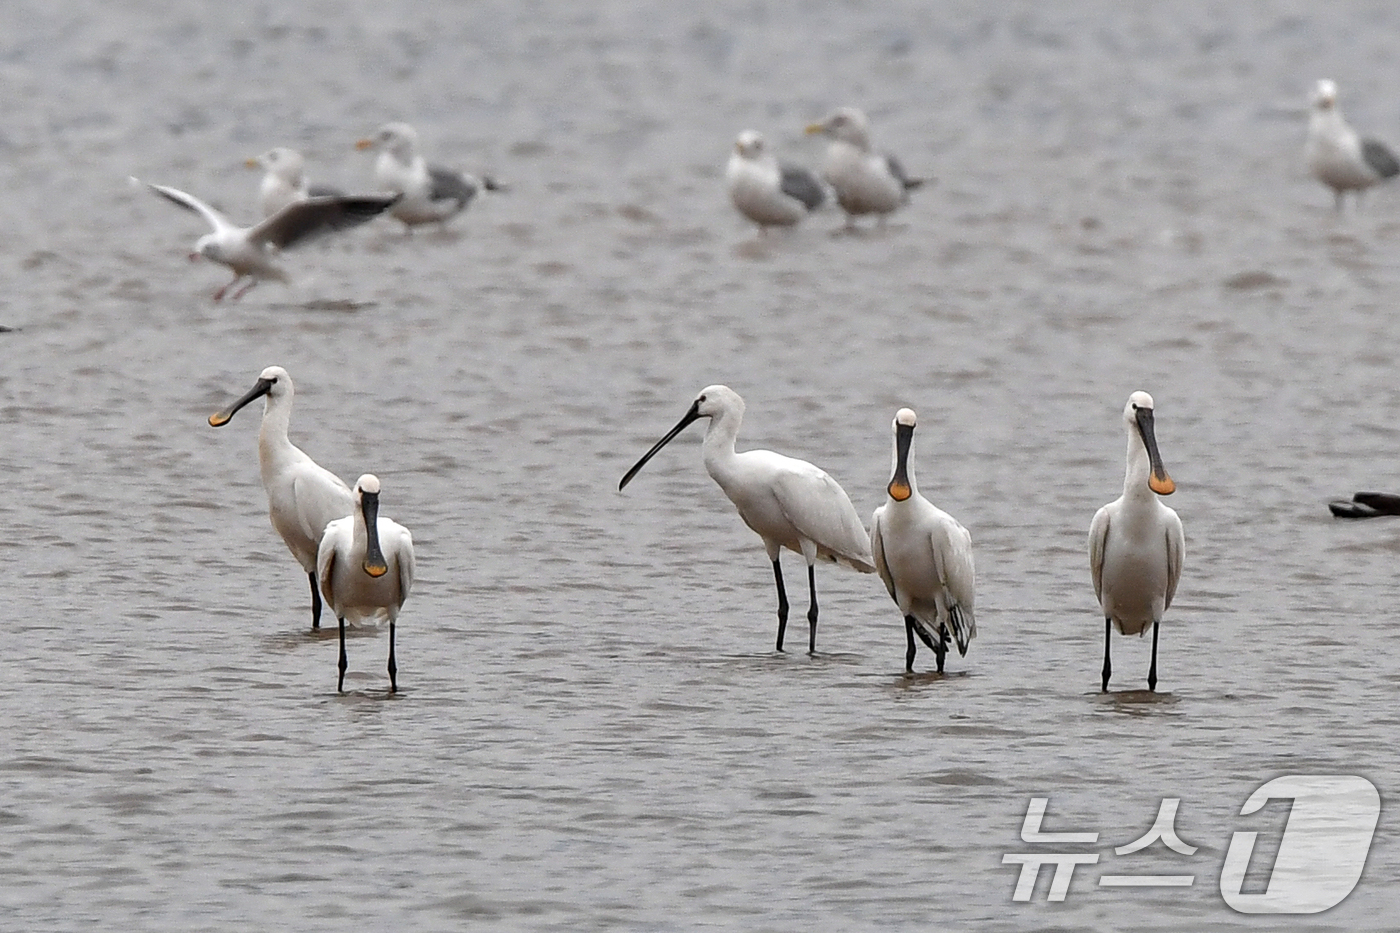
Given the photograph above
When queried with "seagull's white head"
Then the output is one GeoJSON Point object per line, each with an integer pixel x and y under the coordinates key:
{"type": "Point", "coordinates": [286, 164]}
{"type": "Point", "coordinates": [846, 124]}
{"type": "Point", "coordinates": [209, 247]}
{"type": "Point", "coordinates": [1324, 95]}
{"type": "Point", "coordinates": [397, 138]}
{"type": "Point", "coordinates": [749, 144]}
{"type": "Point", "coordinates": [1138, 418]}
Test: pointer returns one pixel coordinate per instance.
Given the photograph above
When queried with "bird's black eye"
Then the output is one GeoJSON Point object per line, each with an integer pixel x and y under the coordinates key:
{"type": "Point", "coordinates": [1135, 406]}
{"type": "Point", "coordinates": [701, 399]}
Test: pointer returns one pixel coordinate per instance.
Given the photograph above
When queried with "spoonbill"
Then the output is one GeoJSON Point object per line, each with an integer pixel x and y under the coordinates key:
{"type": "Point", "coordinates": [865, 181]}
{"type": "Point", "coordinates": [924, 556]}
{"type": "Point", "coordinates": [302, 497]}
{"type": "Point", "coordinates": [429, 193]}
{"type": "Point", "coordinates": [365, 565]}
{"type": "Point", "coordinates": [1136, 544]}
{"type": "Point", "coordinates": [789, 503]}
{"type": "Point", "coordinates": [1336, 156]}
{"type": "Point", "coordinates": [766, 191]}
{"type": "Point", "coordinates": [284, 180]}
{"type": "Point", "coordinates": [250, 251]}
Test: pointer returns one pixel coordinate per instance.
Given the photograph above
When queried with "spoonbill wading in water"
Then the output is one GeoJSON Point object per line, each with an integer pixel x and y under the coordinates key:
{"type": "Point", "coordinates": [789, 503]}
{"type": "Point", "coordinates": [365, 565]}
{"type": "Point", "coordinates": [302, 497]}
{"type": "Point", "coordinates": [924, 556]}
{"type": "Point", "coordinates": [1136, 544]}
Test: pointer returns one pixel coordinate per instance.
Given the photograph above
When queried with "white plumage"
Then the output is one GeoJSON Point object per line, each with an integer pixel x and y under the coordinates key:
{"type": "Point", "coordinates": [1136, 543]}
{"type": "Point", "coordinates": [789, 503]}
{"type": "Point", "coordinates": [924, 556]}
{"type": "Point", "coordinates": [865, 181]}
{"type": "Point", "coordinates": [365, 567]}
{"type": "Point", "coordinates": [1336, 156]}
{"type": "Point", "coordinates": [428, 193]}
{"type": "Point", "coordinates": [766, 191]}
{"type": "Point", "coordinates": [302, 497]}
{"type": "Point", "coordinates": [284, 180]}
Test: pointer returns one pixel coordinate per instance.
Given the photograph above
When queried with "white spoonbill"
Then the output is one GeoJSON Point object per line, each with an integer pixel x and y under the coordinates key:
{"type": "Point", "coordinates": [924, 556]}
{"type": "Point", "coordinates": [284, 180]}
{"type": "Point", "coordinates": [1336, 156]}
{"type": "Point", "coordinates": [430, 193]}
{"type": "Point", "coordinates": [789, 503]}
{"type": "Point", "coordinates": [865, 181]}
{"type": "Point", "coordinates": [250, 251]}
{"type": "Point", "coordinates": [766, 191]}
{"type": "Point", "coordinates": [302, 497]}
{"type": "Point", "coordinates": [1136, 544]}
{"type": "Point", "coordinates": [365, 565]}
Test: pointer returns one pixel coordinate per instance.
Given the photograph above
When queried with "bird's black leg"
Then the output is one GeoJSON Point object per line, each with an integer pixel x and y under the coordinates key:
{"type": "Point", "coordinates": [315, 602]}
{"type": "Point", "coordinates": [782, 602]}
{"type": "Point", "coordinates": [812, 612]}
{"type": "Point", "coordinates": [1152, 671]}
{"type": "Point", "coordinates": [393, 668]}
{"type": "Point", "coordinates": [344, 663]}
{"type": "Point", "coordinates": [1107, 667]}
{"type": "Point", "coordinates": [909, 654]}
{"type": "Point", "coordinates": [940, 646]}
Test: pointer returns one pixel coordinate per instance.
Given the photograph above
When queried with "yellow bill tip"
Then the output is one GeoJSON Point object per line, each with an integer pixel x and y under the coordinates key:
{"type": "Point", "coordinates": [218, 419]}
{"type": "Point", "coordinates": [1161, 485]}
{"type": "Point", "coordinates": [376, 570]}
{"type": "Point", "coordinates": [900, 491]}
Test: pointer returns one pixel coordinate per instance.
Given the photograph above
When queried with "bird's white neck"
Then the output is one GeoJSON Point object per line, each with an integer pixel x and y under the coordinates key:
{"type": "Point", "coordinates": [1139, 469]}
{"type": "Point", "coordinates": [274, 447]}
{"type": "Point", "coordinates": [718, 448]}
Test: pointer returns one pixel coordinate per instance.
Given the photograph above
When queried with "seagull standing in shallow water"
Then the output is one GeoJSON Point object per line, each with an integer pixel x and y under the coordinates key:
{"type": "Point", "coordinates": [250, 251]}
{"type": "Point", "coordinates": [789, 503]}
{"type": "Point", "coordinates": [1336, 156]}
{"type": "Point", "coordinates": [924, 556]}
{"type": "Point", "coordinates": [865, 181]}
{"type": "Point", "coordinates": [365, 565]}
{"type": "Point", "coordinates": [1136, 545]}
{"type": "Point", "coordinates": [766, 191]}
{"type": "Point", "coordinates": [302, 496]}
{"type": "Point", "coordinates": [429, 193]}
{"type": "Point", "coordinates": [284, 180]}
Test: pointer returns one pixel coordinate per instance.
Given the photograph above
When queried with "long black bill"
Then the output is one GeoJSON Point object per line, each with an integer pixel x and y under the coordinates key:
{"type": "Point", "coordinates": [680, 426]}
{"type": "Point", "coordinates": [1159, 482]}
{"type": "Point", "coordinates": [374, 557]}
{"type": "Point", "coordinates": [899, 488]}
{"type": "Point", "coordinates": [221, 418]}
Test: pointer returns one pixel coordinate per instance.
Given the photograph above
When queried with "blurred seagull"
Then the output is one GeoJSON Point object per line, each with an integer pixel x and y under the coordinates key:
{"type": "Point", "coordinates": [1336, 156]}
{"type": "Point", "coordinates": [1136, 545]}
{"type": "Point", "coordinates": [865, 181]}
{"type": "Point", "coordinates": [924, 556]}
{"type": "Point", "coordinates": [284, 180]}
{"type": "Point", "coordinates": [250, 251]}
{"type": "Point", "coordinates": [766, 191]}
{"type": "Point", "coordinates": [430, 193]}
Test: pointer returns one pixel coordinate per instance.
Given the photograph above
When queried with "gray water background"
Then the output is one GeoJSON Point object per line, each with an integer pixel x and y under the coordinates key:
{"type": "Point", "coordinates": [593, 732]}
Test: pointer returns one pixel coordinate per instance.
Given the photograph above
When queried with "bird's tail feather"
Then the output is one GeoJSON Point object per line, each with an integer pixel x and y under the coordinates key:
{"type": "Point", "coordinates": [964, 627]}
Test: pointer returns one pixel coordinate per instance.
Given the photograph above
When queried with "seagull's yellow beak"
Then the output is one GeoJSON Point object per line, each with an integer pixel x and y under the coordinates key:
{"type": "Point", "coordinates": [364, 144]}
{"type": "Point", "coordinates": [251, 163]}
{"type": "Point", "coordinates": [815, 128]}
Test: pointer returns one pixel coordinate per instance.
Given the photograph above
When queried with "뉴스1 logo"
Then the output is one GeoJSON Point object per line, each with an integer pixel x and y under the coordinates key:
{"type": "Point", "coordinates": [1319, 861]}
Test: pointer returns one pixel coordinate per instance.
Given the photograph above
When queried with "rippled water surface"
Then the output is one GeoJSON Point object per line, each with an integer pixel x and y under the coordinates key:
{"type": "Point", "coordinates": [593, 731]}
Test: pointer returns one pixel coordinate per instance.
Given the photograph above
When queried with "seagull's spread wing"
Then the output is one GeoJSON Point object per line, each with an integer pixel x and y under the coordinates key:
{"type": "Point", "coordinates": [191, 203]}
{"type": "Point", "coordinates": [304, 220]}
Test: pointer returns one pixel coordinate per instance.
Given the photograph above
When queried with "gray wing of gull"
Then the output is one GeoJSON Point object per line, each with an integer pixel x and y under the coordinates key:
{"type": "Point", "coordinates": [897, 170]}
{"type": "Point", "coordinates": [324, 191]}
{"type": "Point", "coordinates": [192, 204]}
{"type": "Point", "coordinates": [302, 221]}
{"type": "Point", "coordinates": [1379, 158]}
{"type": "Point", "coordinates": [448, 185]}
{"type": "Point", "coordinates": [801, 184]}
